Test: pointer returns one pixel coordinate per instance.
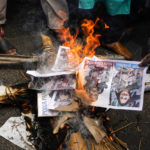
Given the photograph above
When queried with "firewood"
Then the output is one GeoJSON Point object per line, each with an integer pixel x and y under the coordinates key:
{"type": "Point", "coordinates": [76, 142]}
{"type": "Point", "coordinates": [111, 56]}
{"type": "Point", "coordinates": [97, 131]}
{"type": "Point", "coordinates": [105, 144]}
{"type": "Point", "coordinates": [14, 59]}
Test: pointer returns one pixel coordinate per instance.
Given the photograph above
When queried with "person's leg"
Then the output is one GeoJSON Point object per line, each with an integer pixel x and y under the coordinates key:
{"type": "Point", "coordinates": [116, 26]}
{"type": "Point", "coordinates": [56, 12]}
{"type": "Point", "coordinates": [5, 46]}
{"type": "Point", "coordinates": [111, 36]}
{"type": "Point", "coordinates": [3, 6]}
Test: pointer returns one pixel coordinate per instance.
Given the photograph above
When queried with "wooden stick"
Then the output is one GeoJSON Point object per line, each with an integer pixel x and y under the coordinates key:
{"type": "Point", "coordinates": [4, 58]}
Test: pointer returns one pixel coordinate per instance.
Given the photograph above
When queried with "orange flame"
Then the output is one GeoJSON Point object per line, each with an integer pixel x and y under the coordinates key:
{"type": "Point", "coordinates": [93, 108]}
{"type": "Point", "coordinates": [78, 49]}
{"type": "Point", "coordinates": [111, 130]}
{"type": "Point", "coordinates": [107, 118]}
{"type": "Point", "coordinates": [111, 138]}
{"type": "Point", "coordinates": [106, 26]}
{"type": "Point", "coordinates": [24, 105]}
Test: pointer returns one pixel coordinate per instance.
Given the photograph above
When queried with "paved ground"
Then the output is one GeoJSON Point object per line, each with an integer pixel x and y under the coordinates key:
{"type": "Point", "coordinates": [24, 25]}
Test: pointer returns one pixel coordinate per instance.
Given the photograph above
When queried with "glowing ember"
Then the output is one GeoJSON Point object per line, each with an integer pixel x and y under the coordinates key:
{"type": "Point", "coordinates": [110, 137]}
{"type": "Point", "coordinates": [107, 118]}
{"type": "Point", "coordinates": [93, 108]}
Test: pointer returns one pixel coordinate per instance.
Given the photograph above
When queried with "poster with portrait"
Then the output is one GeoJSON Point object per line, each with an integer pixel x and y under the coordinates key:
{"type": "Point", "coordinates": [95, 77]}
{"type": "Point", "coordinates": [61, 98]}
{"type": "Point", "coordinates": [127, 87]}
{"type": "Point", "coordinates": [112, 83]}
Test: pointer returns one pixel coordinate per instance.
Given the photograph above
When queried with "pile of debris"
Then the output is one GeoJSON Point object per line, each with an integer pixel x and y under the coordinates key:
{"type": "Point", "coordinates": [66, 87]}
{"type": "Point", "coordinates": [72, 125]}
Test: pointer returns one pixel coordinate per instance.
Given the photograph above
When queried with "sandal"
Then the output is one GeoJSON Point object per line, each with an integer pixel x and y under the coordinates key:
{"type": "Point", "coordinates": [6, 47]}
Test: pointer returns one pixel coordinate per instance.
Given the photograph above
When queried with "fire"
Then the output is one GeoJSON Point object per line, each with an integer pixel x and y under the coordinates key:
{"type": "Point", "coordinates": [24, 105]}
{"type": "Point", "coordinates": [93, 108]}
{"type": "Point", "coordinates": [81, 49]}
{"type": "Point", "coordinates": [110, 130]}
{"type": "Point", "coordinates": [106, 26]}
{"type": "Point", "coordinates": [107, 118]}
{"type": "Point", "coordinates": [111, 138]}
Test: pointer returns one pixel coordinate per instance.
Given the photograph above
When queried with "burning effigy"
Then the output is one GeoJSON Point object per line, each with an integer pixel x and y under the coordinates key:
{"type": "Point", "coordinates": [73, 88]}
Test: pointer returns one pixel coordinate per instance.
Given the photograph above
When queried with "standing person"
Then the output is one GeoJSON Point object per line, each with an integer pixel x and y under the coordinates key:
{"type": "Point", "coordinates": [114, 17]}
{"type": "Point", "coordinates": [3, 6]}
{"type": "Point", "coordinates": [5, 46]}
{"type": "Point", "coordinates": [56, 12]}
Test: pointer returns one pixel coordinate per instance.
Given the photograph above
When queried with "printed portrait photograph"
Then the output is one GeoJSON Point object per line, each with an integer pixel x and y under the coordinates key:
{"type": "Point", "coordinates": [96, 80]}
{"type": "Point", "coordinates": [126, 87]}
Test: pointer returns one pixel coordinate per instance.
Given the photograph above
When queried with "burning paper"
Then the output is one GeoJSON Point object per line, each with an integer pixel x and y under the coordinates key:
{"type": "Point", "coordinates": [58, 81]}
{"type": "Point", "coordinates": [65, 60]}
{"type": "Point", "coordinates": [60, 98]}
{"type": "Point", "coordinates": [43, 110]}
{"type": "Point", "coordinates": [113, 84]}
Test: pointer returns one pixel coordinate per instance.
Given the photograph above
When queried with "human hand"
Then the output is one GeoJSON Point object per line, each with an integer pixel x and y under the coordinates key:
{"type": "Point", "coordinates": [145, 61]}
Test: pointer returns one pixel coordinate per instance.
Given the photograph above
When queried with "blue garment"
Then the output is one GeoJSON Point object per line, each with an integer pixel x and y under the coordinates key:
{"type": "Point", "coordinates": [114, 7]}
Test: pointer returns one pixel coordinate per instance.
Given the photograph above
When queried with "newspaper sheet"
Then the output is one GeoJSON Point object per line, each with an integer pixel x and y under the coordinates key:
{"type": "Point", "coordinates": [35, 73]}
{"type": "Point", "coordinates": [43, 100]}
{"type": "Point", "coordinates": [113, 84]}
{"type": "Point", "coordinates": [61, 98]}
{"type": "Point", "coordinates": [54, 82]}
{"type": "Point", "coordinates": [65, 60]}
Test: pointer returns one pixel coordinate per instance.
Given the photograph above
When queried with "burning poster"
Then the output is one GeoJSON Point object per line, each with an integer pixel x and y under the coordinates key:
{"type": "Point", "coordinates": [113, 84]}
{"type": "Point", "coordinates": [65, 60]}
{"type": "Point", "coordinates": [60, 98]}
{"type": "Point", "coordinates": [95, 79]}
{"type": "Point", "coordinates": [54, 82]}
{"type": "Point", "coordinates": [127, 87]}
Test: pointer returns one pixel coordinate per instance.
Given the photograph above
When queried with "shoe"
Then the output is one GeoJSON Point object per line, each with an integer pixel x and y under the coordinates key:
{"type": "Point", "coordinates": [120, 49]}
{"type": "Point", "coordinates": [6, 47]}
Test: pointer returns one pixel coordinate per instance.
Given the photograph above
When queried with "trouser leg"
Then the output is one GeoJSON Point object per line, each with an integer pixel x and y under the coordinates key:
{"type": "Point", "coordinates": [116, 25]}
{"type": "Point", "coordinates": [56, 12]}
{"type": "Point", "coordinates": [3, 6]}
